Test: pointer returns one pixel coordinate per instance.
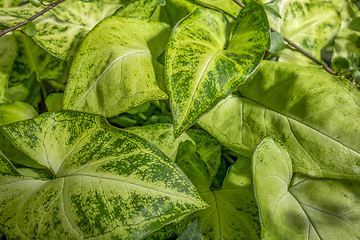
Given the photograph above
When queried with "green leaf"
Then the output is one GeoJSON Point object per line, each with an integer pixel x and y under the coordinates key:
{"type": "Point", "coordinates": [301, 207]}
{"type": "Point", "coordinates": [227, 6]}
{"type": "Point", "coordinates": [355, 24]}
{"type": "Point", "coordinates": [314, 113]}
{"type": "Point", "coordinates": [312, 25]}
{"type": "Point", "coordinates": [30, 29]}
{"type": "Point", "coordinates": [54, 102]}
{"type": "Point", "coordinates": [139, 8]}
{"type": "Point", "coordinates": [166, 232]}
{"type": "Point", "coordinates": [270, 9]}
{"type": "Point", "coordinates": [8, 53]}
{"type": "Point", "coordinates": [105, 76]}
{"type": "Point", "coordinates": [193, 232]}
{"type": "Point", "coordinates": [15, 112]}
{"type": "Point", "coordinates": [340, 65]}
{"type": "Point", "coordinates": [139, 109]}
{"type": "Point", "coordinates": [6, 167]}
{"type": "Point", "coordinates": [233, 213]}
{"type": "Point", "coordinates": [9, 3]}
{"type": "Point", "coordinates": [109, 182]}
{"type": "Point", "coordinates": [33, 59]}
{"type": "Point", "coordinates": [61, 30]}
{"type": "Point", "coordinates": [200, 71]}
{"type": "Point", "coordinates": [35, 3]}
{"type": "Point", "coordinates": [161, 136]}
{"type": "Point", "coordinates": [347, 41]}
{"type": "Point", "coordinates": [277, 42]}
{"type": "Point", "coordinates": [27, 91]}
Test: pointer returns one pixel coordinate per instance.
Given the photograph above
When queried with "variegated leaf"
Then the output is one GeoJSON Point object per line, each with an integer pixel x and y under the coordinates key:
{"type": "Point", "coordinates": [139, 8]}
{"type": "Point", "coordinates": [233, 213]}
{"type": "Point", "coordinates": [8, 53]}
{"type": "Point", "coordinates": [300, 207]}
{"type": "Point", "coordinates": [105, 77]}
{"type": "Point", "coordinates": [63, 28]}
{"type": "Point", "coordinates": [204, 64]}
{"type": "Point", "coordinates": [109, 183]}
{"type": "Point", "coordinates": [314, 113]}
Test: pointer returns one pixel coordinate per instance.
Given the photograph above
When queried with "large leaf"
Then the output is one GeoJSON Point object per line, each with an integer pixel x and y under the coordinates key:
{"type": "Point", "coordinates": [109, 182]}
{"type": "Point", "coordinates": [62, 29]}
{"type": "Point", "coordinates": [161, 136]}
{"type": "Point", "coordinates": [314, 113]}
{"type": "Point", "coordinates": [233, 213]}
{"type": "Point", "coordinates": [204, 64]}
{"type": "Point", "coordinates": [139, 8]}
{"type": "Point", "coordinates": [8, 53]}
{"type": "Point", "coordinates": [105, 76]}
{"type": "Point", "coordinates": [33, 59]}
{"type": "Point", "coordinates": [310, 24]}
{"type": "Point", "coordinates": [301, 207]}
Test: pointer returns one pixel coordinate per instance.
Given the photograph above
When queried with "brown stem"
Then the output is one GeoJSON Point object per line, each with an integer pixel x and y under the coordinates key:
{"type": "Point", "coordinates": [50, 6]}
{"type": "Point", "coordinates": [296, 47]}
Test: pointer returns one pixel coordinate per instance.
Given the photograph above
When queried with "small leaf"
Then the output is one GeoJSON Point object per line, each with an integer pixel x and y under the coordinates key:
{"type": "Point", "coordinates": [268, 7]}
{"type": "Point", "coordinates": [200, 71]}
{"type": "Point", "coordinates": [301, 207]}
{"type": "Point", "coordinates": [277, 42]}
{"type": "Point", "coordinates": [105, 76]}
{"type": "Point", "coordinates": [54, 102]}
{"type": "Point", "coordinates": [340, 65]}
{"type": "Point", "coordinates": [109, 182]}
{"type": "Point", "coordinates": [30, 29]}
{"type": "Point", "coordinates": [193, 232]}
{"type": "Point", "coordinates": [139, 109]}
{"type": "Point", "coordinates": [355, 24]}
{"type": "Point", "coordinates": [35, 3]}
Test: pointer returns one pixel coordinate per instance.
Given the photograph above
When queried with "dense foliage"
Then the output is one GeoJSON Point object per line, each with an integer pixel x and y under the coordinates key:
{"type": "Point", "coordinates": [180, 119]}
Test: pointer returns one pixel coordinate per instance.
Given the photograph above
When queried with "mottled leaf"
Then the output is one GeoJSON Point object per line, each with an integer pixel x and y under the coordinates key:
{"type": "Point", "coordinates": [6, 168]}
{"type": "Point", "coordinates": [314, 113]}
{"type": "Point", "coordinates": [109, 182]}
{"type": "Point", "coordinates": [233, 213]}
{"type": "Point", "coordinates": [105, 76]}
{"type": "Point", "coordinates": [347, 42]}
{"type": "Point", "coordinates": [62, 29]}
{"type": "Point", "coordinates": [193, 232]}
{"type": "Point", "coordinates": [139, 8]}
{"type": "Point", "coordinates": [33, 59]}
{"type": "Point", "coordinates": [312, 25]}
{"type": "Point", "coordinates": [227, 6]}
{"type": "Point", "coordinates": [301, 207]}
{"type": "Point", "coordinates": [8, 53]}
{"type": "Point", "coordinates": [161, 136]}
{"type": "Point", "coordinates": [164, 233]}
{"type": "Point", "coordinates": [204, 64]}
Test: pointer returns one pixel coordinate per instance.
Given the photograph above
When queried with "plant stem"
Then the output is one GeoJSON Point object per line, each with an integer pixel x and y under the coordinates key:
{"type": "Point", "coordinates": [228, 158]}
{"type": "Point", "coordinates": [324, 65]}
{"type": "Point", "coordinates": [50, 6]}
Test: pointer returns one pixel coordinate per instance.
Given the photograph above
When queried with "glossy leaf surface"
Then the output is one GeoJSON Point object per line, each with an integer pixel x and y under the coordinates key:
{"type": "Point", "coordinates": [200, 71]}
{"type": "Point", "coordinates": [109, 182]}
{"type": "Point", "coordinates": [233, 213]}
{"type": "Point", "coordinates": [312, 25]}
{"type": "Point", "coordinates": [62, 29]}
{"type": "Point", "coordinates": [301, 207]}
{"type": "Point", "coordinates": [314, 113]}
{"type": "Point", "coordinates": [105, 76]}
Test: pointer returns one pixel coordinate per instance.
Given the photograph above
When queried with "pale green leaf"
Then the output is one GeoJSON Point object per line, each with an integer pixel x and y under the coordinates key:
{"type": "Point", "coordinates": [139, 8]}
{"type": "Point", "coordinates": [61, 30]}
{"type": "Point", "coordinates": [312, 25]}
{"type": "Point", "coordinates": [204, 64]}
{"type": "Point", "coordinates": [277, 42]}
{"type": "Point", "coordinates": [6, 167]}
{"type": "Point", "coordinates": [227, 6]}
{"type": "Point", "coordinates": [314, 113]}
{"type": "Point", "coordinates": [105, 76]}
{"type": "Point", "coordinates": [347, 41]}
{"type": "Point", "coordinates": [8, 53]}
{"type": "Point", "coordinates": [33, 59]}
{"type": "Point", "coordinates": [109, 183]}
{"type": "Point", "coordinates": [15, 112]}
{"type": "Point", "coordinates": [54, 101]}
{"type": "Point", "coordinates": [161, 136]}
{"type": "Point", "coordinates": [301, 207]}
{"type": "Point", "coordinates": [233, 213]}
{"type": "Point", "coordinates": [9, 3]}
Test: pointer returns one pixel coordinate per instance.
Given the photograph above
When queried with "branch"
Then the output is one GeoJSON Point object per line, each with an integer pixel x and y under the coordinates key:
{"type": "Point", "coordinates": [50, 6]}
{"type": "Point", "coordinates": [324, 65]}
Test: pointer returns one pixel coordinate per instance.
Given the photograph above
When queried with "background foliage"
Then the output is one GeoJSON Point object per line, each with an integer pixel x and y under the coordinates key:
{"type": "Point", "coordinates": [154, 119]}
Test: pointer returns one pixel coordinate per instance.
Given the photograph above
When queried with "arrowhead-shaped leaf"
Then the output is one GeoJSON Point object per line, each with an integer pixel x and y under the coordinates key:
{"type": "Point", "coordinates": [206, 59]}
{"type": "Point", "coordinates": [105, 76]}
{"type": "Point", "coordinates": [62, 29]}
{"type": "Point", "coordinates": [109, 182]}
{"type": "Point", "coordinates": [233, 213]}
{"type": "Point", "coordinates": [314, 113]}
{"type": "Point", "coordinates": [301, 207]}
